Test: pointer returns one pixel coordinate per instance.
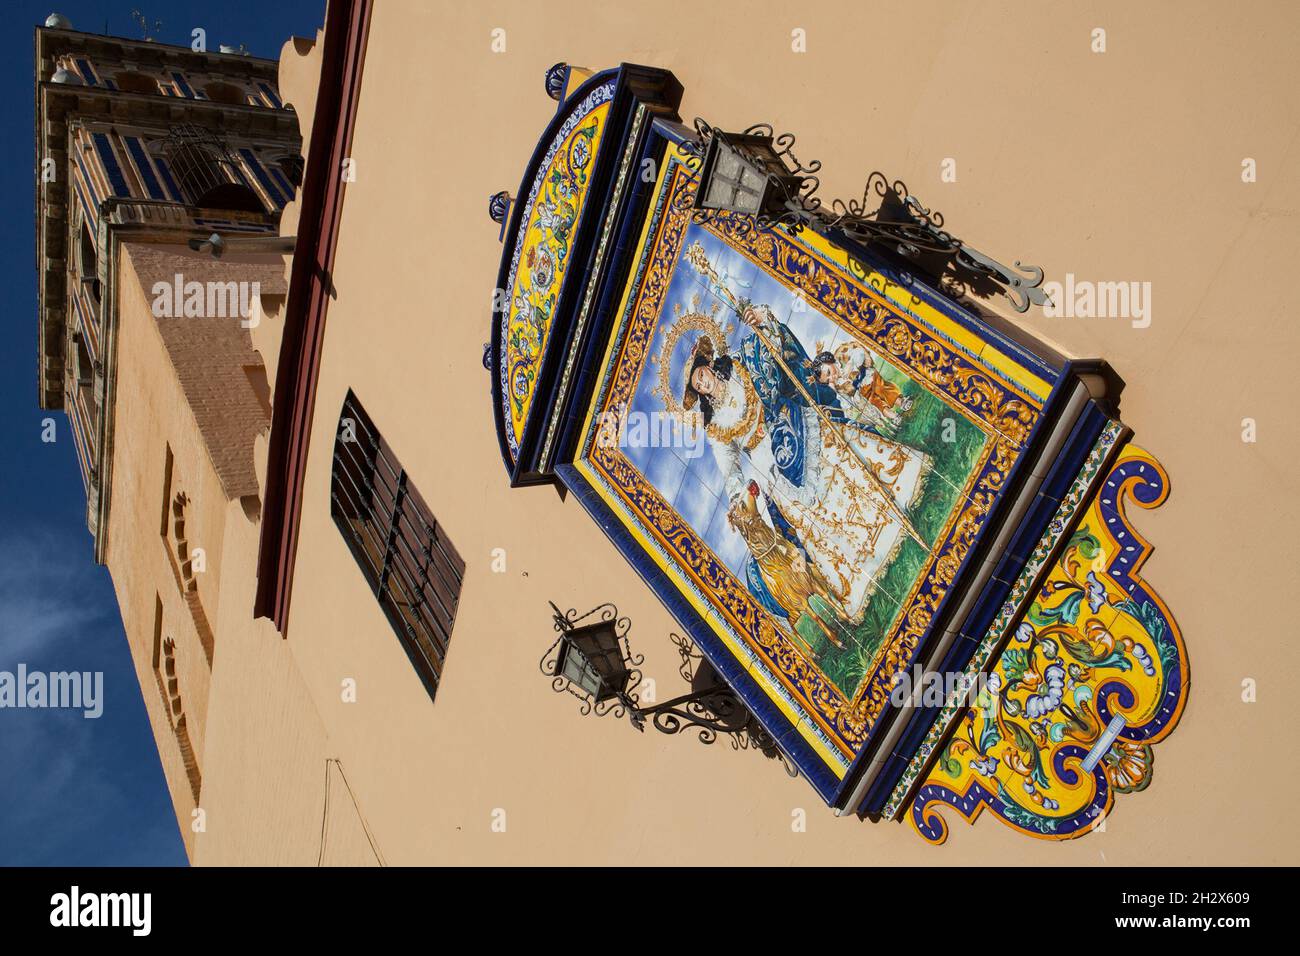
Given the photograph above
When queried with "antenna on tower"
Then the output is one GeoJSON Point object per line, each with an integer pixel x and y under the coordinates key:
{"type": "Point", "coordinates": [143, 22]}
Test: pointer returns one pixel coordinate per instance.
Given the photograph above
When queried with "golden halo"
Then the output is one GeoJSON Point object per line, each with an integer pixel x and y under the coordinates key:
{"type": "Point", "coordinates": [687, 322]}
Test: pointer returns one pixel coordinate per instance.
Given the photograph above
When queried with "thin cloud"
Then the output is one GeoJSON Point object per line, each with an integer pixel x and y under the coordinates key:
{"type": "Point", "coordinates": [43, 596]}
{"type": "Point", "coordinates": [66, 798]}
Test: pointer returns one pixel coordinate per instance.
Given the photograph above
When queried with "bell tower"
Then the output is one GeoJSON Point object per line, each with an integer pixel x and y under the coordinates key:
{"type": "Point", "coordinates": [162, 175]}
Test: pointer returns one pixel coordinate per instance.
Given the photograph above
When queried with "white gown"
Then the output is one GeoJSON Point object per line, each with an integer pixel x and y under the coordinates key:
{"type": "Point", "coordinates": [838, 512]}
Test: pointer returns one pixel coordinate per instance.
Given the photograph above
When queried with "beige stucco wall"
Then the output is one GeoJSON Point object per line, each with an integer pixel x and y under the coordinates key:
{"type": "Point", "coordinates": [1116, 166]}
{"type": "Point", "coordinates": [152, 414]}
{"type": "Point", "coordinates": [252, 724]}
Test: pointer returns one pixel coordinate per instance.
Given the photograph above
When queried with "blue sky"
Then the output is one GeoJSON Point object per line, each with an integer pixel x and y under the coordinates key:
{"type": "Point", "coordinates": [75, 791]}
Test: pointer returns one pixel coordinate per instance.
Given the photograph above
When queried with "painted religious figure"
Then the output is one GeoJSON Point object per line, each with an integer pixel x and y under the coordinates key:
{"type": "Point", "coordinates": [868, 398]}
{"type": "Point", "coordinates": [836, 486]}
{"type": "Point", "coordinates": [821, 474]}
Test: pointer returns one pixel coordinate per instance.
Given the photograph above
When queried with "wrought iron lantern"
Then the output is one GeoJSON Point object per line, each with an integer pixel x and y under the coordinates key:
{"type": "Point", "coordinates": [754, 179]}
{"type": "Point", "coordinates": [744, 173]}
{"type": "Point", "coordinates": [592, 660]}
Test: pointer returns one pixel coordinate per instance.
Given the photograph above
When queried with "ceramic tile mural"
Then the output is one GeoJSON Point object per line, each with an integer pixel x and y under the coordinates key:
{"type": "Point", "coordinates": [813, 462]}
{"type": "Point", "coordinates": [804, 444]}
{"type": "Point", "coordinates": [1094, 675]}
{"type": "Point", "coordinates": [541, 257]}
{"type": "Point", "coordinates": [813, 458]}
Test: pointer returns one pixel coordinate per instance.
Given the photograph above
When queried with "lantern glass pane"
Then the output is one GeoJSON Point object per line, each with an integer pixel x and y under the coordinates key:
{"type": "Point", "coordinates": [578, 670]}
{"type": "Point", "coordinates": [728, 164]}
{"type": "Point", "coordinates": [752, 179]}
{"type": "Point", "coordinates": [721, 194]}
{"type": "Point", "coordinates": [748, 202]}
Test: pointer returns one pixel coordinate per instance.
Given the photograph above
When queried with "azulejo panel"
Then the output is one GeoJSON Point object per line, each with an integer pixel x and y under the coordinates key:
{"type": "Point", "coordinates": [703, 278]}
{"type": "Point", "coordinates": [541, 257]}
{"type": "Point", "coordinates": [1095, 675]}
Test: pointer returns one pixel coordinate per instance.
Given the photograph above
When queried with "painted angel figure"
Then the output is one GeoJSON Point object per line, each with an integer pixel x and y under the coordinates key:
{"type": "Point", "coordinates": [867, 396]}
{"type": "Point", "coordinates": [844, 490]}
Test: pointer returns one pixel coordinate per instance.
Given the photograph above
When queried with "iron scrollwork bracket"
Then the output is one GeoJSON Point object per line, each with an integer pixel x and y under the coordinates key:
{"type": "Point", "coordinates": [711, 708]}
{"type": "Point", "coordinates": [899, 222]}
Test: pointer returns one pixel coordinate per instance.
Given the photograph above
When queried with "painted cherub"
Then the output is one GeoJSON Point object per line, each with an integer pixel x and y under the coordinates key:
{"type": "Point", "coordinates": [867, 397]}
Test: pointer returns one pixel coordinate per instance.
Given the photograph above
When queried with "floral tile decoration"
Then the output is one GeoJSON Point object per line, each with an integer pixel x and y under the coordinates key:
{"type": "Point", "coordinates": [1095, 674]}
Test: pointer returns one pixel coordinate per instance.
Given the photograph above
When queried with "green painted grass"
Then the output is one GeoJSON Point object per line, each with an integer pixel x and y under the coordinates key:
{"type": "Point", "coordinates": [923, 428]}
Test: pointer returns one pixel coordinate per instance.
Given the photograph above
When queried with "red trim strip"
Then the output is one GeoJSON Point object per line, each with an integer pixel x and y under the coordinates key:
{"type": "Point", "coordinates": [347, 26]}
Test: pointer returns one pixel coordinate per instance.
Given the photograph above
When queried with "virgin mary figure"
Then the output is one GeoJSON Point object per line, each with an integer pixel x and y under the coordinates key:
{"type": "Point", "coordinates": [844, 490]}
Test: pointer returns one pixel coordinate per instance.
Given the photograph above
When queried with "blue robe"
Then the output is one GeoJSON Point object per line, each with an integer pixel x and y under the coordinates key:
{"type": "Point", "coordinates": [784, 406]}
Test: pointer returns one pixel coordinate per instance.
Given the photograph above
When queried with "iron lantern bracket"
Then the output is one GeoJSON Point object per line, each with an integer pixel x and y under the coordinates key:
{"type": "Point", "coordinates": [711, 708]}
{"type": "Point", "coordinates": [900, 224]}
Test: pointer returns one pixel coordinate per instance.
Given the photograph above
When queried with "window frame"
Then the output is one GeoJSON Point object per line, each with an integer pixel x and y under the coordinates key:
{"type": "Point", "coordinates": [405, 556]}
